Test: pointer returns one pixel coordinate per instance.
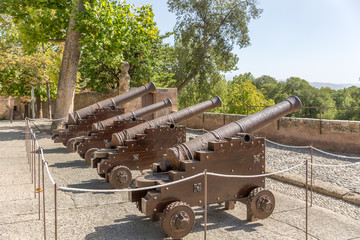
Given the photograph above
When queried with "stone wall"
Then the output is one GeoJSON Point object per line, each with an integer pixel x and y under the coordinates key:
{"type": "Point", "coordinates": [85, 99]}
{"type": "Point", "coordinates": [6, 103]}
{"type": "Point", "coordinates": [335, 135]}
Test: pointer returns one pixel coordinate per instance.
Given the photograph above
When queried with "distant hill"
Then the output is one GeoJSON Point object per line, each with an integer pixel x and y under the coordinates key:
{"type": "Point", "coordinates": [332, 85]}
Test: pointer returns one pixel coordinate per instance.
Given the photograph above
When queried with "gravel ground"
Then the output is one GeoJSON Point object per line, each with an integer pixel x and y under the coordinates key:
{"type": "Point", "coordinates": [281, 157]}
{"type": "Point", "coordinates": [321, 200]}
{"type": "Point", "coordinates": [83, 215]}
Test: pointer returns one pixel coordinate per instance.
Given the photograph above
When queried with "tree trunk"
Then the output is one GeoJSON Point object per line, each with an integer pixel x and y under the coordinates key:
{"type": "Point", "coordinates": [68, 72]}
{"type": "Point", "coordinates": [39, 111]}
{"type": "Point", "coordinates": [48, 99]}
{"type": "Point", "coordinates": [47, 88]}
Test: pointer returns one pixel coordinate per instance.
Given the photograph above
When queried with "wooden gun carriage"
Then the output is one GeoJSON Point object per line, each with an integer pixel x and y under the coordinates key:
{"type": "Point", "coordinates": [222, 151]}
{"type": "Point", "coordinates": [80, 122]}
{"type": "Point", "coordinates": [101, 131]}
{"type": "Point", "coordinates": [137, 148]}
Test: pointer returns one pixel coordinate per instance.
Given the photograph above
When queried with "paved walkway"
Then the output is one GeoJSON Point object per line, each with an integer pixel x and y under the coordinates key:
{"type": "Point", "coordinates": [110, 216]}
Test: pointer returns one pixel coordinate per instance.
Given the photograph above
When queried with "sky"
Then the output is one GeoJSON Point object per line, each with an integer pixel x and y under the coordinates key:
{"type": "Point", "coordinates": [316, 40]}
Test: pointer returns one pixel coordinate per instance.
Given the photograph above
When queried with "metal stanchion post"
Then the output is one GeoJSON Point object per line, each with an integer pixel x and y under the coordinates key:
{"type": "Point", "coordinates": [205, 203]}
{"type": "Point", "coordinates": [55, 202]}
{"type": "Point", "coordinates": [43, 186]}
{"type": "Point", "coordinates": [34, 166]}
{"type": "Point", "coordinates": [30, 156]}
{"type": "Point", "coordinates": [39, 187]}
{"type": "Point", "coordinates": [311, 176]}
{"type": "Point", "coordinates": [306, 199]}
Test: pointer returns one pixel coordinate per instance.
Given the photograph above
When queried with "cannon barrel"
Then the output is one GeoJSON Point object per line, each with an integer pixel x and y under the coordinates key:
{"type": "Point", "coordinates": [111, 102]}
{"type": "Point", "coordinates": [138, 113]}
{"type": "Point", "coordinates": [246, 125]}
{"type": "Point", "coordinates": [118, 139]}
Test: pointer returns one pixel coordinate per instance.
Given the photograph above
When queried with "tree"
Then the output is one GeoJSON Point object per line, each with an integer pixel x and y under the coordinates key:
{"type": "Point", "coordinates": [20, 71]}
{"type": "Point", "coordinates": [68, 71]}
{"type": "Point", "coordinates": [209, 29]}
{"type": "Point", "coordinates": [42, 22]}
{"type": "Point", "coordinates": [113, 32]}
{"type": "Point", "coordinates": [270, 88]}
{"type": "Point", "coordinates": [242, 93]}
{"type": "Point", "coordinates": [348, 97]}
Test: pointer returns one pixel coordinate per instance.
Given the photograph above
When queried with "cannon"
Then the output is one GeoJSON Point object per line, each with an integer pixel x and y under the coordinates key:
{"type": "Point", "coordinates": [80, 122]}
{"type": "Point", "coordinates": [140, 146]}
{"type": "Point", "coordinates": [101, 131]}
{"type": "Point", "coordinates": [228, 150]}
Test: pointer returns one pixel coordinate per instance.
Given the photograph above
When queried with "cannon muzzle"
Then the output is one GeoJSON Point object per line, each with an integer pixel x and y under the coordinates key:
{"type": "Point", "coordinates": [118, 139]}
{"type": "Point", "coordinates": [111, 102]}
{"type": "Point", "coordinates": [139, 113]}
{"type": "Point", "coordinates": [248, 124]}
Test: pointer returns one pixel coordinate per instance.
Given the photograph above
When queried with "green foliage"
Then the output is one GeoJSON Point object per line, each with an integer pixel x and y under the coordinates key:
{"type": "Point", "coordinates": [242, 93]}
{"type": "Point", "coordinates": [207, 30]}
{"type": "Point", "coordinates": [349, 97]}
{"type": "Point", "coordinates": [38, 21]}
{"type": "Point", "coordinates": [202, 90]}
{"type": "Point", "coordinates": [19, 71]}
{"type": "Point", "coordinates": [113, 32]}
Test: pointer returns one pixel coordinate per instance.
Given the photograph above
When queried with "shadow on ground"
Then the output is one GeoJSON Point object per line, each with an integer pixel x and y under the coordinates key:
{"type": "Point", "coordinates": [93, 184]}
{"type": "Point", "coordinates": [59, 150]}
{"type": "Point", "coordinates": [72, 164]}
{"type": "Point", "coordinates": [146, 229]}
{"type": "Point", "coordinates": [11, 136]}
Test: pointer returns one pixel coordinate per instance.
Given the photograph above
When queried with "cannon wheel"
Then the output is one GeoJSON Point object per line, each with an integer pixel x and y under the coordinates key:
{"type": "Point", "coordinates": [89, 154]}
{"type": "Point", "coordinates": [70, 144]}
{"type": "Point", "coordinates": [177, 220]}
{"type": "Point", "coordinates": [260, 204]}
{"type": "Point", "coordinates": [120, 177]}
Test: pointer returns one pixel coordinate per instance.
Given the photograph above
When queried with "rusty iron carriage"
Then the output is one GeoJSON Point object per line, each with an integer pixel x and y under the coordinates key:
{"type": "Point", "coordinates": [101, 131]}
{"type": "Point", "coordinates": [137, 148]}
{"type": "Point", "coordinates": [80, 122]}
{"type": "Point", "coordinates": [228, 150]}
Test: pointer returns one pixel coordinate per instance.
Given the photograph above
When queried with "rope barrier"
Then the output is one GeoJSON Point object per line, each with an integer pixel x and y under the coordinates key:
{"type": "Point", "coordinates": [46, 166]}
{"type": "Point", "coordinates": [256, 176]}
{"type": "Point", "coordinates": [132, 189]}
{"type": "Point", "coordinates": [335, 155]}
{"type": "Point", "coordinates": [45, 119]}
{"type": "Point", "coordinates": [287, 146]}
{"type": "Point", "coordinates": [197, 130]}
{"type": "Point", "coordinates": [188, 178]}
{"type": "Point", "coordinates": [334, 165]}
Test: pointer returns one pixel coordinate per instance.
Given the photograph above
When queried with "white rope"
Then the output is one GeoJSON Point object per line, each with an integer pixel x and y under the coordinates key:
{"type": "Point", "coordinates": [130, 189]}
{"type": "Point", "coordinates": [334, 165]}
{"type": "Point", "coordinates": [335, 155]}
{"type": "Point", "coordinates": [197, 130]}
{"type": "Point", "coordinates": [46, 166]}
{"type": "Point", "coordinates": [255, 176]}
{"type": "Point", "coordinates": [188, 178]}
{"type": "Point", "coordinates": [45, 119]}
{"type": "Point", "coordinates": [287, 146]}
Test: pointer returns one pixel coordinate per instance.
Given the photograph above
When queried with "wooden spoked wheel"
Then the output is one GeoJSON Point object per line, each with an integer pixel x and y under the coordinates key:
{"type": "Point", "coordinates": [177, 219]}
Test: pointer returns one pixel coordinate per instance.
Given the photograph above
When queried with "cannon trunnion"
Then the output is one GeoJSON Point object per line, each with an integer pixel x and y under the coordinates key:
{"type": "Point", "coordinates": [87, 145]}
{"type": "Point", "coordinates": [138, 153]}
{"type": "Point", "coordinates": [138, 147]}
{"type": "Point", "coordinates": [232, 156]}
{"type": "Point", "coordinates": [84, 125]}
{"type": "Point", "coordinates": [102, 131]}
{"type": "Point", "coordinates": [81, 121]}
{"type": "Point", "coordinates": [226, 151]}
